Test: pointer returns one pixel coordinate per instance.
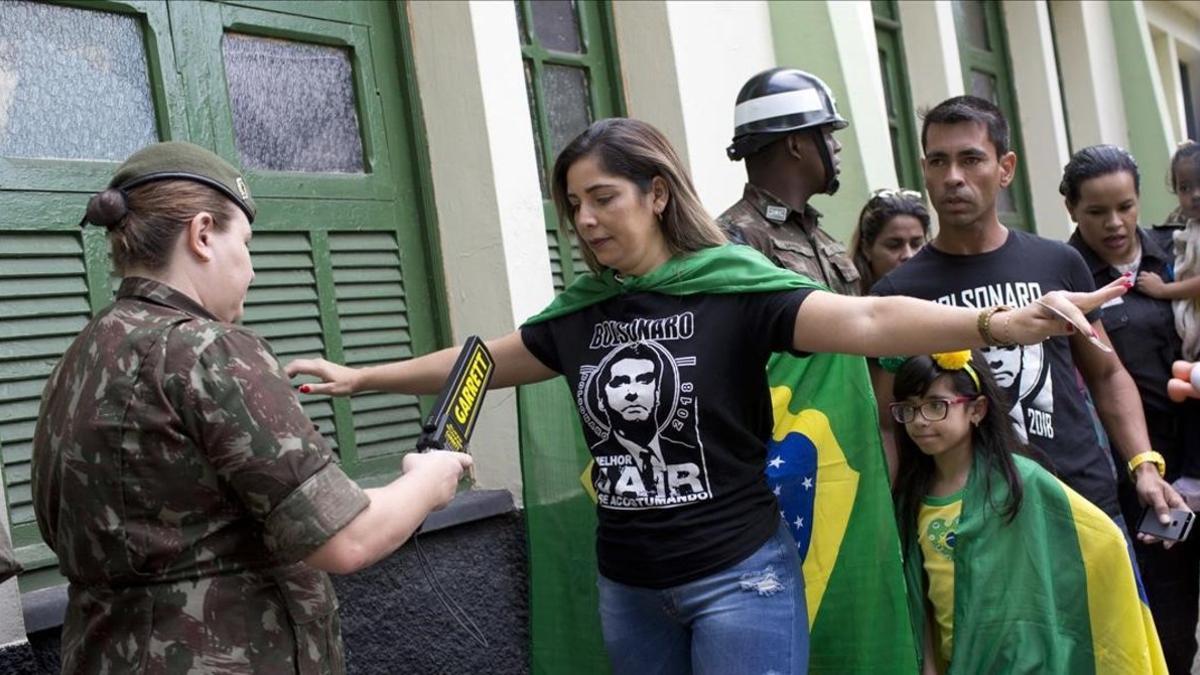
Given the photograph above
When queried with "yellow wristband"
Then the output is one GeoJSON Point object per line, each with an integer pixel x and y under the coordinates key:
{"type": "Point", "coordinates": [1148, 456]}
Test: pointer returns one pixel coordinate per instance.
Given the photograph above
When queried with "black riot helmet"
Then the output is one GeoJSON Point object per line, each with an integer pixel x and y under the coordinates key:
{"type": "Point", "coordinates": [778, 102]}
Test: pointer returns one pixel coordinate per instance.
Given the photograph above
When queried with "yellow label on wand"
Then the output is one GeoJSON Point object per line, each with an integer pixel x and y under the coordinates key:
{"type": "Point", "coordinates": [471, 377]}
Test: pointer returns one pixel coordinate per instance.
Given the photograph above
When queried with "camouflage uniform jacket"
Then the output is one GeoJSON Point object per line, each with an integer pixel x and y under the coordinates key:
{"type": "Point", "coordinates": [791, 240]}
{"type": "Point", "coordinates": [180, 483]}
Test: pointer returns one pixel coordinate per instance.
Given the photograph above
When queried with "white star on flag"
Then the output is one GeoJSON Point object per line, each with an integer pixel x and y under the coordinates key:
{"type": "Point", "coordinates": [808, 482]}
{"type": "Point", "coordinates": [778, 489]}
{"type": "Point", "coordinates": [777, 462]}
{"type": "Point", "coordinates": [799, 522]}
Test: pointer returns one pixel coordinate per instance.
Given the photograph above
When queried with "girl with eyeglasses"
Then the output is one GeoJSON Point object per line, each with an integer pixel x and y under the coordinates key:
{"type": "Point", "coordinates": [892, 226]}
{"type": "Point", "coordinates": [1006, 566]}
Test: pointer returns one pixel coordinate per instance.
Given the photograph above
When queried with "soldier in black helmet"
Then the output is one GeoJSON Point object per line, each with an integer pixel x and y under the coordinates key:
{"type": "Point", "coordinates": [783, 127]}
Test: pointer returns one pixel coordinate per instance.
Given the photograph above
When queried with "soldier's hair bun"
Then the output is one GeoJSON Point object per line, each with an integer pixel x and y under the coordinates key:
{"type": "Point", "coordinates": [108, 209]}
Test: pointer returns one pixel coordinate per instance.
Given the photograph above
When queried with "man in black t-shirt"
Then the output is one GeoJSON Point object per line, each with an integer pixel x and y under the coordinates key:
{"type": "Point", "coordinates": [975, 261]}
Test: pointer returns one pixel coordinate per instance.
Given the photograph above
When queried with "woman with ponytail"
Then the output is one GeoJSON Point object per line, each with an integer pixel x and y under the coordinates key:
{"type": "Point", "coordinates": [194, 508]}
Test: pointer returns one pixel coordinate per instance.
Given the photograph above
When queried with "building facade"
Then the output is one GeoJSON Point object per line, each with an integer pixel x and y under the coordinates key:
{"type": "Point", "coordinates": [400, 152]}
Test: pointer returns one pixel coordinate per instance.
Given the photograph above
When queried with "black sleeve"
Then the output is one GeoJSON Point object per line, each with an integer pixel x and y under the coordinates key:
{"type": "Point", "coordinates": [883, 287]}
{"type": "Point", "coordinates": [774, 315]}
{"type": "Point", "coordinates": [539, 340]}
{"type": "Point", "coordinates": [1079, 277]}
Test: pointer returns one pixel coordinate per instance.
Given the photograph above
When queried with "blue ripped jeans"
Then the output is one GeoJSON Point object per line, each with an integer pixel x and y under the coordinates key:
{"type": "Point", "coordinates": [750, 618]}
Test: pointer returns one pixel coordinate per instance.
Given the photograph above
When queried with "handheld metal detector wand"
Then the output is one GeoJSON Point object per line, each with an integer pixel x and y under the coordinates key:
{"type": "Point", "coordinates": [449, 427]}
{"type": "Point", "coordinates": [452, 421]}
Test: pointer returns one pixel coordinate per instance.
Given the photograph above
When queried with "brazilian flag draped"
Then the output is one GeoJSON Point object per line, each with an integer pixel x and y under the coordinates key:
{"type": "Point", "coordinates": [825, 461]}
{"type": "Point", "coordinates": [1054, 591]}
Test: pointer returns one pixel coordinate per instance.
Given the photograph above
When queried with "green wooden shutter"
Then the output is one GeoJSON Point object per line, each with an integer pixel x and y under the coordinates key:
{"type": "Point", "coordinates": [558, 243]}
{"type": "Point", "coordinates": [897, 98]}
{"type": "Point", "coordinates": [328, 247]}
{"type": "Point", "coordinates": [54, 276]}
{"type": "Point", "coordinates": [571, 80]}
{"type": "Point", "coordinates": [282, 306]}
{"type": "Point", "coordinates": [44, 302]}
{"type": "Point", "coordinates": [372, 313]}
{"type": "Point", "coordinates": [987, 73]}
{"type": "Point", "coordinates": [354, 231]}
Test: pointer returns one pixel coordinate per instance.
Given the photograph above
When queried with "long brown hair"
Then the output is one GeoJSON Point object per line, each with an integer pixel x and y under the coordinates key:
{"type": "Point", "coordinates": [875, 215]}
{"type": "Point", "coordinates": [143, 223]}
{"type": "Point", "coordinates": [636, 151]}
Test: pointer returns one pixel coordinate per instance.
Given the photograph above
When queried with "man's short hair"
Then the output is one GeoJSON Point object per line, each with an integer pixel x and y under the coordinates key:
{"type": "Point", "coordinates": [960, 109]}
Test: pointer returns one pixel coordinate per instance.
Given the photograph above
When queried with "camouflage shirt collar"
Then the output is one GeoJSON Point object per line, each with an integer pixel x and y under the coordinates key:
{"type": "Point", "coordinates": [775, 211]}
{"type": "Point", "coordinates": [161, 294]}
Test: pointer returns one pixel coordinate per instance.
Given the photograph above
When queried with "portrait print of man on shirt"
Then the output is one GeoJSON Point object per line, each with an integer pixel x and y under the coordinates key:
{"type": "Point", "coordinates": [634, 390]}
{"type": "Point", "coordinates": [1024, 375]}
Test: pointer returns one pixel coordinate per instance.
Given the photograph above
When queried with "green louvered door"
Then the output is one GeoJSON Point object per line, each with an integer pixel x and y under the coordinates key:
{"type": "Point", "coordinates": [311, 100]}
{"type": "Point", "coordinates": [299, 102]}
{"type": "Point", "coordinates": [83, 87]}
{"type": "Point", "coordinates": [571, 79]}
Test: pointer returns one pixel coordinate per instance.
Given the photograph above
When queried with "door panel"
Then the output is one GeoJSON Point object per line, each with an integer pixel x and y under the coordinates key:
{"type": "Point", "coordinates": [341, 249]}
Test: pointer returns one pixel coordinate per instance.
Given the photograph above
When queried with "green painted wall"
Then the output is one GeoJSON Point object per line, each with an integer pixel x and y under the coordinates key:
{"type": "Point", "coordinates": [1149, 137]}
{"type": "Point", "coordinates": [803, 35]}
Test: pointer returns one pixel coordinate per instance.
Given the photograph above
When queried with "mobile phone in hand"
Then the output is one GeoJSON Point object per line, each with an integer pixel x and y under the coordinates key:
{"type": "Point", "coordinates": [1176, 530]}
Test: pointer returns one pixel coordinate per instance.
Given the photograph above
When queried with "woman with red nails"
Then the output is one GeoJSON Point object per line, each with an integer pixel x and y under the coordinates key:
{"type": "Point", "coordinates": [1100, 186]}
{"type": "Point", "coordinates": [193, 506]}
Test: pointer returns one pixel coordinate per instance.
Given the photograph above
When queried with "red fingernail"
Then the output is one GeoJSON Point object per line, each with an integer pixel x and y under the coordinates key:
{"type": "Point", "coordinates": [304, 389]}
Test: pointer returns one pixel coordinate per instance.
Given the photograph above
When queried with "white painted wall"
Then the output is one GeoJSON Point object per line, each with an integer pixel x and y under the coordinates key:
{"type": "Point", "coordinates": [931, 56]}
{"type": "Point", "coordinates": [718, 46]}
{"type": "Point", "coordinates": [1179, 19]}
{"type": "Point", "coordinates": [1175, 31]}
{"type": "Point", "coordinates": [648, 75]}
{"type": "Point", "coordinates": [485, 183]}
{"type": "Point", "coordinates": [1043, 126]}
{"type": "Point", "coordinates": [931, 51]}
{"type": "Point", "coordinates": [682, 65]}
{"type": "Point", "coordinates": [865, 106]}
{"type": "Point", "coordinates": [1167, 59]}
{"type": "Point", "coordinates": [1091, 82]}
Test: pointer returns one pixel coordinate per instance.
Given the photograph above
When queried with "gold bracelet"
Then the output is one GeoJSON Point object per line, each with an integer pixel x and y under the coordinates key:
{"type": "Point", "coordinates": [1148, 456]}
{"type": "Point", "coordinates": [984, 325]}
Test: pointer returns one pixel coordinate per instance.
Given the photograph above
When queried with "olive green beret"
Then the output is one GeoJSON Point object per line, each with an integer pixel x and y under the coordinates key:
{"type": "Point", "coordinates": [178, 160]}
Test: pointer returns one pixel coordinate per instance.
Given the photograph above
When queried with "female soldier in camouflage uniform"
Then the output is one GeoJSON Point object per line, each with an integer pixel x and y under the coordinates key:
{"type": "Point", "coordinates": [193, 506]}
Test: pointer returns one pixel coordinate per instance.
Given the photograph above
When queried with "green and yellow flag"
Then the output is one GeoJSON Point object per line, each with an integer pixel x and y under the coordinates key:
{"type": "Point", "coordinates": [825, 463]}
{"type": "Point", "coordinates": [825, 459]}
{"type": "Point", "coordinates": [1054, 591]}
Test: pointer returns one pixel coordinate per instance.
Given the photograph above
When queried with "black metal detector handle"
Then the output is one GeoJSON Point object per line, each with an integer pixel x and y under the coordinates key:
{"type": "Point", "coordinates": [452, 420]}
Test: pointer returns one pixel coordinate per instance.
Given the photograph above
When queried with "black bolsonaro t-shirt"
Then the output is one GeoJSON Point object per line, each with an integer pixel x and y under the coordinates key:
{"type": "Point", "coordinates": [672, 393]}
{"type": "Point", "coordinates": [1048, 410]}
